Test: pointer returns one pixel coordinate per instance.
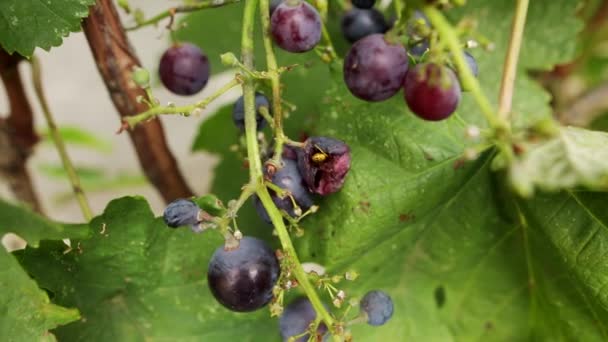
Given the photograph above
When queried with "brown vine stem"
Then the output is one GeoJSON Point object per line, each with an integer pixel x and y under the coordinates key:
{"type": "Point", "coordinates": [115, 61]}
{"type": "Point", "coordinates": [171, 12]}
{"type": "Point", "coordinates": [17, 135]}
{"type": "Point", "coordinates": [59, 144]}
{"type": "Point", "coordinates": [507, 85]}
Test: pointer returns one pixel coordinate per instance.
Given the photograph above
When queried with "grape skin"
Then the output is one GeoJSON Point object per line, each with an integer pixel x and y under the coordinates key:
{"type": "Point", "coordinates": [238, 111]}
{"type": "Point", "coordinates": [295, 28]}
{"type": "Point", "coordinates": [296, 319]}
{"type": "Point", "coordinates": [378, 306]}
{"type": "Point", "coordinates": [290, 179]}
{"type": "Point", "coordinates": [374, 69]}
{"type": "Point", "coordinates": [431, 91]}
{"type": "Point", "coordinates": [364, 4]}
{"type": "Point", "coordinates": [184, 69]}
{"type": "Point", "coordinates": [358, 23]}
{"type": "Point", "coordinates": [181, 212]}
{"type": "Point", "coordinates": [242, 279]}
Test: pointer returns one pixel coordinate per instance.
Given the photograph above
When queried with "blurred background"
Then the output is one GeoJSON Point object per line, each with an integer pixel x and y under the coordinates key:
{"type": "Point", "coordinates": [88, 120]}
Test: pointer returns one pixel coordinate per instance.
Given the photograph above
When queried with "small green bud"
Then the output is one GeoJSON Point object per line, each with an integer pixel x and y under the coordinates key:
{"type": "Point", "coordinates": [141, 77]}
{"type": "Point", "coordinates": [124, 4]}
{"type": "Point", "coordinates": [229, 59]}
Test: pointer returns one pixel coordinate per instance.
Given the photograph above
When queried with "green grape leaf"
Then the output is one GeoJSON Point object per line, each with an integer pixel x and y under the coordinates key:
{"type": "Point", "coordinates": [33, 227]}
{"type": "Point", "coordinates": [77, 136]}
{"type": "Point", "coordinates": [27, 313]}
{"type": "Point", "coordinates": [574, 157]}
{"type": "Point", "coordinates": [135, 279]}
{"type": "Point", "coordinates": [27, 24]}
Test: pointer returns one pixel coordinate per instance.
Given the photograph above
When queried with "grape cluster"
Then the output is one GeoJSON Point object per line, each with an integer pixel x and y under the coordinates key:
{"type": "Point", "coordinates": [377, 66]}
{"type": "Point", "coordinates": [318, 167]}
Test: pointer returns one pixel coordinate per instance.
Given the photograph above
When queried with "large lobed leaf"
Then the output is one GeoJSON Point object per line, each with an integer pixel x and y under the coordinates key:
{"type": "Point", "coordinates": [574, 157]}
{"type": "Point", "coordinates": [27, 24]}
{"type": "Point", "coordinates": [138, 280]}
{"type": "Point", "coordinates": [26, 311]}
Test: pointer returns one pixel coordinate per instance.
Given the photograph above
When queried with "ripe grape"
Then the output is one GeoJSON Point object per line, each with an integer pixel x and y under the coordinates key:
{"type": "Point", "coordinates": [365, 4]}
{"type": "Point", "coordinates": [296, 319]}
{"type": "Point", "coordinates": [238, 111]}
{"type": "Point", "coordinates": [295, 26]}
{"type": "Point", "coordinates": [184, 69]}
{"type": "Point", "coordinates": [378, 306]}
{"type": "Point", "coordinates": [287, 178]}
{"type": "Point", "coordinates": [374, 68]}
{"type": "Point", "coordinates": [242, 279]}
{"type": "Point", "coordinates": [181, 212]}
{"type": "Point", "coordinates": [431, 91]}
{"type": "Point", "coordinates": [358, 23]}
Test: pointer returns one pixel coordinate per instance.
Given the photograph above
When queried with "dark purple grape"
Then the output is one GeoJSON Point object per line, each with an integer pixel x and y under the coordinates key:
{"type": "Point", "coordinates": [238, 111]}
{"type": "Point", "coordinates": [358, 23]}
{"type": "Point", "coordinates": [365, 4]}
{"type": "Point", "coordinates": [431, 91]}
{"type": "Point", "coordinates": [184, 69]}
{"type": "Point", "coordinates": [288, 178]}
{"type": "Point", "coordinates": [242, 279]}
{"type": "Point", "coordinates": [295, 26]}
{"type": "Point", "coordinates": [472, 63]}
{"type": "Point", "coordinates": [418, 49]}
{"type": "Point", "coordinates": [181, 212]}
{"type": "Point", "coordinates": [374, 68]}
{"type": "Point", "coordinates": [296, 319]}
{"type": "Point", "coordinates": [324, 163]}
{"type": "Point", "coordinates": [418, 45]}
{"type": "Point", "coordinates": [274, 4]}
{"type": "Point", "coordinates": [378, 306]}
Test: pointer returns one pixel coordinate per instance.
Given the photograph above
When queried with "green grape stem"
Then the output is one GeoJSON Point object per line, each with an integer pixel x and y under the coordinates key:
{"type": "Point", "coordinates": [81, 197]}
{"type": "Point", "coordinates": [170, 13]}
{"type": "Point", "coordinates": [255, 167]}
{"type": "Point", "coordinates": [449, 36]}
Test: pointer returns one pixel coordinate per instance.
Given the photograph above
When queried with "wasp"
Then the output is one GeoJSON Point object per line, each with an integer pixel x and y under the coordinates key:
{"type": "Point", "coordinates": [319, 156]}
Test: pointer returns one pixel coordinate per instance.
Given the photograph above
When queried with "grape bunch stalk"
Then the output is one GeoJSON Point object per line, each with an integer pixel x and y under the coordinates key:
{"type": "Point", "coordinates": [417, 54]}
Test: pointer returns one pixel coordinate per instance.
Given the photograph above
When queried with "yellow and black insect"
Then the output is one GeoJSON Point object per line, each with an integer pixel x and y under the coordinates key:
{"type": "Point", "coordinates": [320, 156]}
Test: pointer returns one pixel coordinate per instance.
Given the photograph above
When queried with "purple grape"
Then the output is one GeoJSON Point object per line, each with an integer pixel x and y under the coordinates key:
{"type": "Point", "coordinates": [431, 91]}
{"type": "Point", "coordinates": [184, 69]}
{"type": "Point", "coordinates": [365, 4]}
{"type": "Point", "coordinates": [181, 212]}
{"type": "Point", "coordinates": [378, 306]}
{"type": "Point", "coordinates": [295, 26]}
{"type": "Point", "coordinates": [418, 49]}
{"type": "Point", "coordinates": [296, 319]}
{"type": "Point", "coordinates": [288, 178]}
{"type": "Point", "coordinates": [242, 279]}
{"type": "Point", "coordinates": [238, 111]}
{"type": "Point", "coordinates": [274, 4]}
{"type": "Point", "coordinates": [374, 69]}
{"type": "Point", "coordinates": [359, 23]}
{"type": "Point", "coordinates": [324, 163]}
{"type": "Point", "coordinates": [472, 63]}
